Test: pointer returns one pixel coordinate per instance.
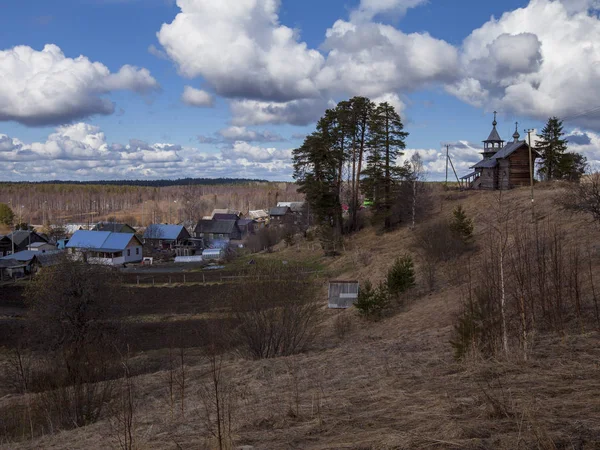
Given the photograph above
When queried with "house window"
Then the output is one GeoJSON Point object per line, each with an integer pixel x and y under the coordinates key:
{"type": "Point", "coordinates": [128, 252]}
{"type": "Point", "coordinates": [137, 250]}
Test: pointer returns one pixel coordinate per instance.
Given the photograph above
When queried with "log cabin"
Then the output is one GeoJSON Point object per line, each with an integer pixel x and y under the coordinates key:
{"type": "Point", "coordinates": [504, 165]}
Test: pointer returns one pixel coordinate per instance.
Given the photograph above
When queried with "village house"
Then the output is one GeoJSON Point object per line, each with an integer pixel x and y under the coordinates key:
{"type": "Point", "coordinates": [281, 215]}
{"type": "Point", "coordinates": [22, 239]}
{"type": "Point", "coordinates": [42, 247]}
{"type": "Point", "coordinates": [166, 236]}
{"type": "Point", "coordinates": [217, 232]}
{"type": "Point", "coordinates": [5, 246]}
{"type": "Point", "coordinates": [260, 217]}
{"type": "Point", "coordinates": [27, 262]}
{"type": "Point", "coordinates": [224, 214]}
{"type": "Point", "coordinates": [247, 227]}
{"type": "Point", "coordinates": [114, 227]}
{"type": "Point", "coordinates": [504, 166]}
{"type": "Point", "coordinates": [11, 269]}
{"type": "Point", "coordinates": [105, 247]}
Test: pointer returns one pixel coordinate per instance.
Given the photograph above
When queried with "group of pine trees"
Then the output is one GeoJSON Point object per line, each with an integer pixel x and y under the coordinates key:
{"type": "Point", "coordinates": [352, 156]}
{"type": "Point", "coordinates": [556, 163]}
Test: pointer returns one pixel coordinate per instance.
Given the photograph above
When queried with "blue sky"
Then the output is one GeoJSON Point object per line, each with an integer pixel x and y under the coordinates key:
{"type": "Point", "coordinates": [256, 85]}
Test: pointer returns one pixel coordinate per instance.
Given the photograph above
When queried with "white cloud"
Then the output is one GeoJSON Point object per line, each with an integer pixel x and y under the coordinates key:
{"type": "Point", "coordinates": [243, 52]}
{"type": "Point", "coordinates": [81, 151]}
{"type": "Point", "coordinates": [372, 59]}
{"type": "Point", "coordinates": [243, 150]}
{"type": "Point", "coordinates": [234, 133]}
{"type": "Point", "coordinates": [538, 61]}
{"type": "Point", "coordinates": [45, 87]}
{"type": "Point", "coordinates": [197, 97]}
{"type": "Point", "coordinates": [392, 99]}
{"type": "Point", "coordinates": [295, 112]}
{"type": "Point", "coordinates": [464, 154]}
{"type": "Point", "coordinates": [368, 9]}
{"type": "Point", "coordinates": [240, 48]}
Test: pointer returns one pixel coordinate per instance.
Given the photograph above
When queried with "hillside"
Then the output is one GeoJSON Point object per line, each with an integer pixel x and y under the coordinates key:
{"type": "Point", "coordinates": [394, 383]}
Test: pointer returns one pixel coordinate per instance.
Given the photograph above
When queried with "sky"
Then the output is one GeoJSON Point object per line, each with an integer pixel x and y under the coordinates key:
{"type": "Point", "coordinates": [150, 89]}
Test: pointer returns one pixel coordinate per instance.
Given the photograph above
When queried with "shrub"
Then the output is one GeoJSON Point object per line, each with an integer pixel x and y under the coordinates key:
{"type": "Point", "coordinates": [277, 312]}
{"type": "Point", "coordinates": [401, 276]}
{"type": "Point", "coordinates": [372, 302]}
{"type": "Point", "coordinates": [342, 325]}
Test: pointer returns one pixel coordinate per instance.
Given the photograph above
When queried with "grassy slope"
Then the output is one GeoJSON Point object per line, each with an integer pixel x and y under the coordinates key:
{"type": "Point", "coordinates": [394, 384]}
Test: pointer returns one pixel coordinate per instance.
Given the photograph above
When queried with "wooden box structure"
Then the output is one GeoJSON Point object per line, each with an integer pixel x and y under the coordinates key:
{"type": "Point", "coordinates": [342, 293]}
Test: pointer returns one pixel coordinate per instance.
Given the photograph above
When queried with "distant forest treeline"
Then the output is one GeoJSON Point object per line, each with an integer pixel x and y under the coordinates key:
{"type": "Point", "coordinates": [66, 202]}
{"type": "Point", "coordinates": [150, 183]}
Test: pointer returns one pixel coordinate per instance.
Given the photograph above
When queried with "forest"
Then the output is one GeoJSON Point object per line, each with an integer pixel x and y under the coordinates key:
{"type": "Point", "coordinates": [62, 203]}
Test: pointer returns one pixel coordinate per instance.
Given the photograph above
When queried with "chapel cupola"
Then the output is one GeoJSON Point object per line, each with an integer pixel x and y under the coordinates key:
{"type": "Point", "coordinates": [493, 143]}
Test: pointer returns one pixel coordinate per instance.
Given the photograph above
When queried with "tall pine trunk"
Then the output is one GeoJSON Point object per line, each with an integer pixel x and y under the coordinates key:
{"type": "Point", "coordinates": [387, 201]}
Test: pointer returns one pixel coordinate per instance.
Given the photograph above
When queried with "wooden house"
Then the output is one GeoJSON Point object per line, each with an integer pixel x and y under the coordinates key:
{"type": "Point", "coordinates": [217, 230]}
{"type": "Point", "coordinates": [5, 246]}
{"type": "Point", "coordinates": [166, 236]}
{"type": "Point", "coordinates": [281, 215]}
{"type": "Point", "coordinates": [114, 227]}
{"type": "Point", "coordinates": [504, 165]}
{"type": "Point", "coordinates": [22, 239]}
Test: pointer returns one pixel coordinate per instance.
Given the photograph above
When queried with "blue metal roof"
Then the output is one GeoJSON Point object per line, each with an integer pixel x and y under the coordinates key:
{"type": "Point", "coordinates": [88, 239]}
{"type": "Point", "coordinates": [163, 231]}
{"type": "Point", "coordinates": [25, 255]}
{"type": "Point", "coordinates": [100, 240]}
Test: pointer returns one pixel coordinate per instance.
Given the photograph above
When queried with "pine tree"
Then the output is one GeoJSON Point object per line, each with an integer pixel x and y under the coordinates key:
{"type": "Point", "coordinates": [382, 174]}
{"type": "Point", "coordinates": [572, 166]}
{"type": "Point", "coordinates": [401, 275]}
{"type": "Point", "coordinates": [551, 148]}
{"type": "Point", "coordinates": [6, 214]}
{"type": "Point", "coordinates": [316, 170]}
{"type": "Point", "coordinates": [462, 225]}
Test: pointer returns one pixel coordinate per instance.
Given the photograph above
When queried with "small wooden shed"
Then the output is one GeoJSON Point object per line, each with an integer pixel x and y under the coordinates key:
{"type": "Point", "coordinates": [342, 293]}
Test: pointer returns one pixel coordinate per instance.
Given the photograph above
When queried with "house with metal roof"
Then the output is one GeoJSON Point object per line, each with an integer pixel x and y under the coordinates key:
{"type": "Point", "coordinates": [296, 207]}
{"type": "Point", "coordinates": [281, 215]}
{"type": "Point", "coordinates": [21, 239]}
{"type": "Point", "coordinates": [504, 166]}
{"type": "Point", "coordinates": [226, 211]}
{"type": "Point", "coordinates": [217, 230]}
{"type": "Point", "coordinates": [11, 269]}
{"type": "Point", "coordinates": [105, 247]}
{"type": "Point", "coordinates": [113, 227]}
{"type": "Point", "coordinates": [42, 247]}
{"type": "Point", "coordinates": [164, 235]}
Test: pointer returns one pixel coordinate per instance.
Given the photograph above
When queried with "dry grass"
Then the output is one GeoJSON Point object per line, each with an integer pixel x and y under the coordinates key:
{"type": "Point", "coordinates": [391, 384]}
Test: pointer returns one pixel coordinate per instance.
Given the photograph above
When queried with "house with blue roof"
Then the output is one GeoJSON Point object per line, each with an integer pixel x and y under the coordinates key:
{"type": "Point", "coordinates": [166, 236]}
{"type": "Point", "coordinates": [504, 166]}
{"type": "Point", "coordinates": [105, 247]}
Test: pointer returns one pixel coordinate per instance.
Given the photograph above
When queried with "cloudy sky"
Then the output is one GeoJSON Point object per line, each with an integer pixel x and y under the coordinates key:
{"type": "Point", "coordinates": [132, 89]}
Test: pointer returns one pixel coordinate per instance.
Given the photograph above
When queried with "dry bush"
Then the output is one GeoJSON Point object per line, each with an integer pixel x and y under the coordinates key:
{"type": "Point", "coordinates": [437, 244]}
{"type": "Point", "coordinates": [218, 399]}
{"type": "Point", "coordinates": [276, 310]}
{"type": "Point", "coordinates": [264, 240]}
{"type": "Point", "coordinates": [342, 325]}
{"type": "Point", "coordinates": [362, 258]}
{"type": "Point", "coordinates": [71, 317]}
{"type": "Point", "coordinates": [584, 196]}
{"type": "Point", "coordinates": [534, 282]}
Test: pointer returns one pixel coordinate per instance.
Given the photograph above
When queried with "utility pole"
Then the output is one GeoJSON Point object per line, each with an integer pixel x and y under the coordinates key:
{"type": "Point", "coordinates": [447, 157]}
{"type": "Point", "coordinates": [529, 131]}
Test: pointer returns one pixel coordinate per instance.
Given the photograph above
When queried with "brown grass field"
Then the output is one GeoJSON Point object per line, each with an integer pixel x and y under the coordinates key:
{"type": "Point", "coordinates": [392, 384]}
